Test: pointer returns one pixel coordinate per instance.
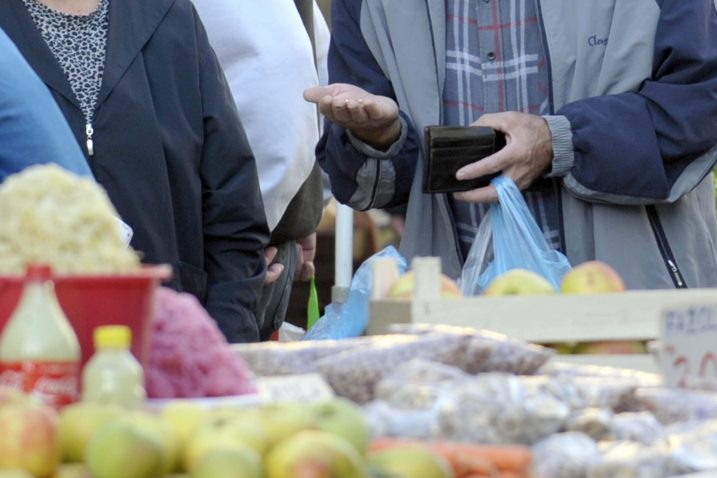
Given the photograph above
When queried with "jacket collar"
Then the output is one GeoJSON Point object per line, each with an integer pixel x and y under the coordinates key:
{"type": "Point", "coordinates": [132, 23]}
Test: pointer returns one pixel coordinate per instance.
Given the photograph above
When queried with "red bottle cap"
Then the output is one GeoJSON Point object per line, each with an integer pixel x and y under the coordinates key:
{"type": "Point", "coordinates": [38, 272]}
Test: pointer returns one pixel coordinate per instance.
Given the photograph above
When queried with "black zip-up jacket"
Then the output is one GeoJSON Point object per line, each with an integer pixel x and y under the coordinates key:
{"type": "Point", "coordinates": [170, 151]}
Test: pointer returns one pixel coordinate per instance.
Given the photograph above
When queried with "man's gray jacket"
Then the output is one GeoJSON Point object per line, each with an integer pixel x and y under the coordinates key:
{"type": "Point", "coordinates": [634, 81]}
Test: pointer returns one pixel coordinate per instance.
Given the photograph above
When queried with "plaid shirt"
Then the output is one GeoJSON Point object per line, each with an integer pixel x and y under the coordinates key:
{"type": "Point", "coordinates": [495, 62]}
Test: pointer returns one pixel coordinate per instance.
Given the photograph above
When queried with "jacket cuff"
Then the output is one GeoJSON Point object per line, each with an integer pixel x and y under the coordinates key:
{"type": "Point", "coordinates": [563, 154]}
{"type": "Point", "coordinates": [373, 153]}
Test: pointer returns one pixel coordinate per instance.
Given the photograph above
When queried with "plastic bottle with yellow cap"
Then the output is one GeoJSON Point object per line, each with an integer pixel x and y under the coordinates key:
{"type": "Point", "coordinates": [113, 374]}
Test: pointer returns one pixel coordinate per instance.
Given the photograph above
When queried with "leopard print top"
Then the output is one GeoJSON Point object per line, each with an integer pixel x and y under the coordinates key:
{"type": "Point", "coordinates": [79, 43]}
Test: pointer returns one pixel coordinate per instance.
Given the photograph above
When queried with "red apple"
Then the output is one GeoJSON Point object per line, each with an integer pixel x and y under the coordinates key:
{"type": "Point", "coordinates": [592, 277]}
{"type": "Point", "coordinates": [30, 439]}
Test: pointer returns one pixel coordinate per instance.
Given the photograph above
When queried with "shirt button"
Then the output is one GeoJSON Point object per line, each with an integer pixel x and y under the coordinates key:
{"type": "Point", "coordinates": [491, 55]}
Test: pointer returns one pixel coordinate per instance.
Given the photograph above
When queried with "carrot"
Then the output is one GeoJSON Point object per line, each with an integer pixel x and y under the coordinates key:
{"type": "Point", "coordinates": [468, 460]}
{"type": "Point", "coordinates": [505, 457]}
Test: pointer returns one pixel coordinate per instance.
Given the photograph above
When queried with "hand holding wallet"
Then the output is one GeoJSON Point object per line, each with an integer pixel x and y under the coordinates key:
{"type": "Point", "coordinates": [449, 148]}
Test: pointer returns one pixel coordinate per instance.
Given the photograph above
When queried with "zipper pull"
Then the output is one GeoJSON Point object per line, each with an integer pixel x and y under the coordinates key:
{"type": "Point", "coordinates": [89, 131]}
{"type": "Point", "coordinates": [676, 274]}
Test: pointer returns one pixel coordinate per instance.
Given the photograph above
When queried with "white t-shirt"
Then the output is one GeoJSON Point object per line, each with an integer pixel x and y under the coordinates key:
{"type": "Point", "coordinates": [267, 58]}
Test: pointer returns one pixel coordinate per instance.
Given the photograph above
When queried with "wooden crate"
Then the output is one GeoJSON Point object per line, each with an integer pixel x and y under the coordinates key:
{"type": "Point", "coordinates": [630, 315]}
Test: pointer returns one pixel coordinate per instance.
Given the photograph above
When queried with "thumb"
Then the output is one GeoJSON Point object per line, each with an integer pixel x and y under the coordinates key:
{"type": "Point", "coordinates": [315, 93]}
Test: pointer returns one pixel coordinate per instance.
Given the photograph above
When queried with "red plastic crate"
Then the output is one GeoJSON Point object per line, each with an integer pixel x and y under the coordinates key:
{"type": "Point", "coordinates": [93, 300]}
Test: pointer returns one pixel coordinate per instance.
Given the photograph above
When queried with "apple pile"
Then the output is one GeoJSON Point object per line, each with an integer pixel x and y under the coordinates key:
{"type": "Point", "coordinates": [591, 277]}
{"type": "Point", "coordinates": [92, 440]}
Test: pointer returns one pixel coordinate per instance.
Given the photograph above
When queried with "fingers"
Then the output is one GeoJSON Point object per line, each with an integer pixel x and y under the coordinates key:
{"type": "Point", "coordinates": [492, 164]}
{"type": "Point", "coordinates": [270, 254]}
{"type": "Point", "coordinates": [500, 121]}
{"type": "Point", "coordinates": [315, 93]}
{"type": "Point", "coordinates": [305, 272]}
{"type": "Point", "coordinates": [485, 195]}
{"type": "Point", "coordinates": [307, 247]}
{"type": "Point", "coordinates": [273, 272]}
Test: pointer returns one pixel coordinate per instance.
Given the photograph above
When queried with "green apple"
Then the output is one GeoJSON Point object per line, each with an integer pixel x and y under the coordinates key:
{"type": "Point", "coordinates": [15, 474]}
{"type": "Point", "coordinates": [519, 282]}
{"type": "Point", "coordinates": [410, 461]}
{"type": "Point", "coordinates": [72, 470]}
{"type": "Point", "coordinates": [153, 423]}
{"type": "Point", "coordinates": [184, 416]}
{"type": "Point", "coordinates": [78, 422]}
{"type": "Point", "coordinates": [226, 430]}
{"type": "Point", "coordinates": [283, 420]}
{"type": "Point", "coordinates": [316, 454]}
{"type": "Point", "coordinates": [121, 449]}
{"type": "Point", "coordinates": [230, 462]}
{"type": "Point", "coordinates": [345, 419]}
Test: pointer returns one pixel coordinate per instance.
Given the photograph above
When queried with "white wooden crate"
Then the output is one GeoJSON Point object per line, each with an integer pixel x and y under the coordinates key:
{"type": "Point", "coordinates": [630, 315]}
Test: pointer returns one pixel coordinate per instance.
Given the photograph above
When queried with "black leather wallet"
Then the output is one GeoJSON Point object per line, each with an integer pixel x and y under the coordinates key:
{"type": "Point", "coordinates": [449, 148]}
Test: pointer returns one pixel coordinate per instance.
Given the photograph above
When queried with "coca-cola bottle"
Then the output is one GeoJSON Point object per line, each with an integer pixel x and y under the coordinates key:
{"type": "Point", "coordinates": [39, 351]}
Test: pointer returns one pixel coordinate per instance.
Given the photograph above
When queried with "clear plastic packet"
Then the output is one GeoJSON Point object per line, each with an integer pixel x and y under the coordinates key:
{"type": "Point", "coordinates": [496, 408]}
{"type": "Point", "coordinates": [387, 420]}
{"type": "Point", "coordinates": [626, 459]}
{"type": "Point", "coordinates": [290, 358]}
{"type": "Point", "coordinates": [354, 373]}
{"type": "Point", "coordinates": [563, 369]}
{"type": "Point", "coordinates": [593, 422]}
{"type": "Point", "coordinates": [487, 351]}
{"type": "Point", "coordinates": [510, 355]}
{"type": "Point", "coordinates": [674, 405]}
{"type": "Point", "coordinates": [579, 393]}
{"type": "Point", "coordinates": [693, 446]}
{"type": "Point", "coordinates": [564, 455]}
{"type": "Point", "coordinates": [474, 356]}
{"type": "Point", "coordinates": [640, 427]}
{"type": "Point", "coordinates": [418, 384]}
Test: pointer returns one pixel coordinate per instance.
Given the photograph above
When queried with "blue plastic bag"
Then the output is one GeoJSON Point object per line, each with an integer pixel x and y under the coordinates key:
{"type": "Point", "coordinates": [509, 238]}
{"type": "Point", "coordinates": [343, 321]}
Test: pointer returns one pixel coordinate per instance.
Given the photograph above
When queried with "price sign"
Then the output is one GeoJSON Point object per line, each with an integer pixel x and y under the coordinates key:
{"type": "Point", "coordinates": [294, 388]}
{"type": "Point", "coordinates": [688, 354]}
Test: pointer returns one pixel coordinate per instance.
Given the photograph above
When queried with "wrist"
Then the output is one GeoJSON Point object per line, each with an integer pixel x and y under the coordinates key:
{"type": "Point", "coordinates": [380, 138]}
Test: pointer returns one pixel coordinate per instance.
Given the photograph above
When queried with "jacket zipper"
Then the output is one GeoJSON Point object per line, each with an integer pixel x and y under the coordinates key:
{"type": "Point", "coordinates": [664, 247]}
{"type": "Point", "coordinates": [89, 131]}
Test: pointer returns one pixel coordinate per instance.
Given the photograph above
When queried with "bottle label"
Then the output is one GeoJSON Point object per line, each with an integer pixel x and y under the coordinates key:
{"type": "Point", "coordinates": [55, 383]}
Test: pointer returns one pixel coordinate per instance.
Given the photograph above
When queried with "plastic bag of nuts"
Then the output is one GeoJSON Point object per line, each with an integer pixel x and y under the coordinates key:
{"type": "Point", "coordinates": [290, 358]}
{"type": "Point", "coordinates": [564, 455]}
{"type": "Point", "coordinates": [487, 351]}
{"type": "Point", "coordinates": [674, 405]}
{"type": "Point", "coordinates": [626, 459]}
{"type": "Point", "coordinates": [354, 373]}
{"type": "Point", "coordinates": [497, 408]}
{"type": "Point", "coordinates": [418, 383]}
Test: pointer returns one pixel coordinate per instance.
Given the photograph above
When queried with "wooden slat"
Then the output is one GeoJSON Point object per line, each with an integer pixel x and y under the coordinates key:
{"type": "Point", "coordinates": [631, 315]}
{"type": "Point", "coordinates": [641, 362]}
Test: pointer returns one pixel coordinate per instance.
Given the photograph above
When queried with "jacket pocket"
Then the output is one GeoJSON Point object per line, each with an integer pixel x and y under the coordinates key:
{"type": "Point", "coordinates": [192, 279]}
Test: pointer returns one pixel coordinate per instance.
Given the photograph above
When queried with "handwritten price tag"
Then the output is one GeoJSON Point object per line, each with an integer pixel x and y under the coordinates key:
{"type": "Point", "coordinates": [689, 345]}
